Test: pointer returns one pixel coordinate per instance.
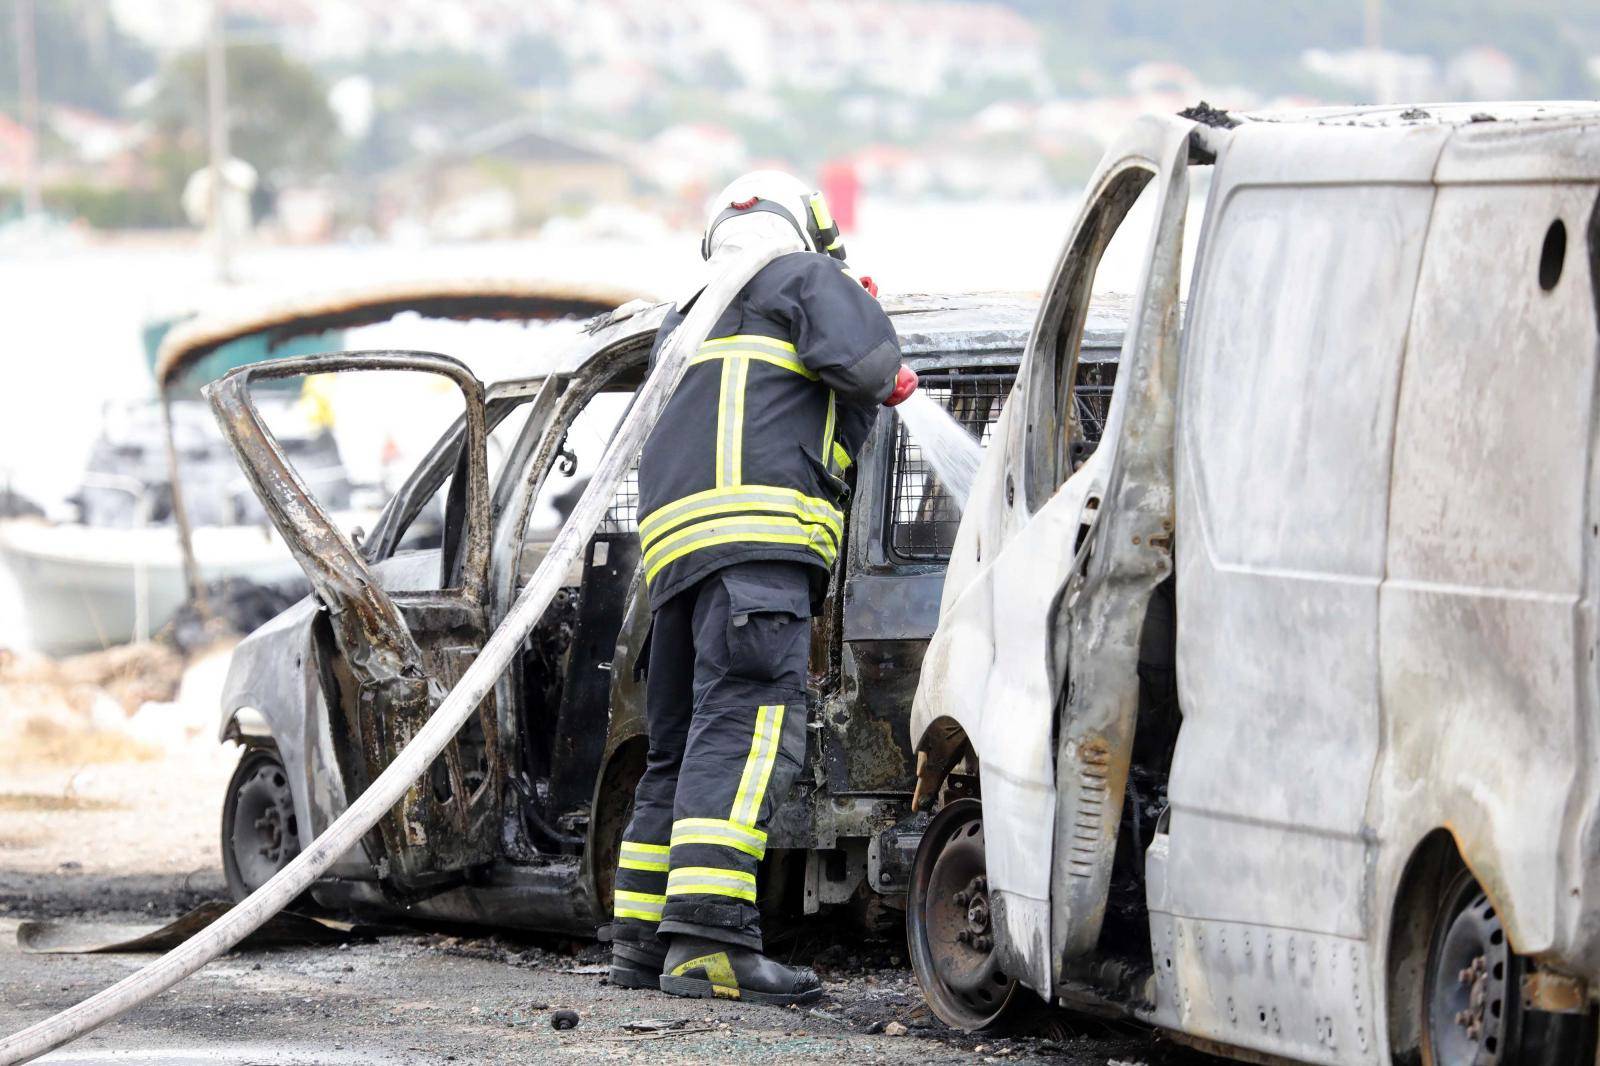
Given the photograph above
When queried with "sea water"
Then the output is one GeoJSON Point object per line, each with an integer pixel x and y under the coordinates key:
{"type": "Point", "coordinates": [947, 446]}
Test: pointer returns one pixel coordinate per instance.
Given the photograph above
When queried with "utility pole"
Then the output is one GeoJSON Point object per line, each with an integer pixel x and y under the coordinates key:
{"type": "Point", "coordinates": [28, 90]}
{"type": "Point", "coordinates": [217, 121]}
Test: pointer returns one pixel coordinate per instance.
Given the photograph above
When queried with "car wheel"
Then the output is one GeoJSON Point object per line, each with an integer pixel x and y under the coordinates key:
{"type": "Point", "coordinates": [260, 834]}
{"type": "Point", "coordinates": [947, 922]}
{"type": "Point", "coordinates": [1472, 995]}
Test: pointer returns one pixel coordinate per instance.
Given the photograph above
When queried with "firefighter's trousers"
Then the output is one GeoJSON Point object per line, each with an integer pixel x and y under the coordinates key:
{"type": "Point", "coordinates": [726, 701]}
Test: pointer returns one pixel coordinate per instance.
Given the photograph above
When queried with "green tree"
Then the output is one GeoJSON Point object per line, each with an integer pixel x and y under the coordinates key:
{"type": "Point", "coordinates": [83, 59]}
{"type": "Point", "coordinates": [278, 115]}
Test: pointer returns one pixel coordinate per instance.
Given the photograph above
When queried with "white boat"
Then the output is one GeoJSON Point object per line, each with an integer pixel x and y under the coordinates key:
{"type": "Point", "coordinates": [116, 573]}
{"type": "Point", "coordinates": [88, 587]}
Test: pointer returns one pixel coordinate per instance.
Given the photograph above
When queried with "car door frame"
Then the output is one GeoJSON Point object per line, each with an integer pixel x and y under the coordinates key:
{"type": "Point", "coordinates": [388, 680]}
{"type": "Point", "coordinates": [1027, 703]}
{"type": "Point", "coordinates": [1124, 548]}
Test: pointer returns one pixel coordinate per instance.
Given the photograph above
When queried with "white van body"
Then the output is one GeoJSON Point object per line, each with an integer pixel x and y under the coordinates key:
{"type": "Point", "coordinates": [1368, 457]}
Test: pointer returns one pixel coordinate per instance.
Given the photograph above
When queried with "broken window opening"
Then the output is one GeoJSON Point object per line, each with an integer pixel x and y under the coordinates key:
{"type": "Point", "coordinates": [923, 518]}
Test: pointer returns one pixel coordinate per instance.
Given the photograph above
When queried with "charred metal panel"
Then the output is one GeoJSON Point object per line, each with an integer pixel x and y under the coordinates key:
{"type": "Point", "coordinates": [893, 607]}
{"type": "Point", "coordinates": [865, 744]}
{"type": "Point", "coordinates": [397, 655]}
{"type": "Point", "coordinates": [1487, 611]}
{"type": "Point", "coordinates": [1282, 527]}
{"type": "Point", "coordinates": [580, 732]}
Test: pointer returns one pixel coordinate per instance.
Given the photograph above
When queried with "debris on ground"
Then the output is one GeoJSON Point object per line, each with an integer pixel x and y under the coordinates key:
{"type": "Point", "coordinates": [895, 1029]}
{"type": "Point", "coordinates": [655, 1025]}
{"type": "Point", "coordinates": [129, 703]}
{"type": "Point", "coordinates": [564, 1019]}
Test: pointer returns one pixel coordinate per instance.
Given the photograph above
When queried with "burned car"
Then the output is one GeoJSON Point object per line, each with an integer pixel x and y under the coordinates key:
{"type": "Point", "coordinates": [1272, 724]}
{"type": "Point", "coordinates": [519, 821]}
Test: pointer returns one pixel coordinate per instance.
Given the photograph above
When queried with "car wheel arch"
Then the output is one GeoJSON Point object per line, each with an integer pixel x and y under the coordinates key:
{"type": "Point", "coordinates": [610, 811]}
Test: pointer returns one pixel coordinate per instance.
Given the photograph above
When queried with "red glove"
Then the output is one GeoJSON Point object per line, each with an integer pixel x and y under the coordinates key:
{"type": "Point", "coordinates": [905, 383]}
{"type": "Point", "coordinates": [868, 284]}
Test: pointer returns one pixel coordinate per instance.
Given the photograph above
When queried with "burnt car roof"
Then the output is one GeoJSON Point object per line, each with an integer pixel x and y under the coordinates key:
{"type": "Point", "coordinates": [458, 298]}
{"type": "Point", "coordinates": [994, 322]}
{"type": "Point", "coordinates": [930, 325]}
{"type": "Point", "coordinates": [1442, 113]}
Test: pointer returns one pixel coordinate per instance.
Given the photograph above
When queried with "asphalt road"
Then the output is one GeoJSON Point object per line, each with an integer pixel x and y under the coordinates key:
{"type": "Point", "coordinates": [135, 842]}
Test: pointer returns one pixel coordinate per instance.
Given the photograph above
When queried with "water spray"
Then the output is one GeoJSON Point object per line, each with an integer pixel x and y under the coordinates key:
{"type": "Point", "coordinates": [952, 451]}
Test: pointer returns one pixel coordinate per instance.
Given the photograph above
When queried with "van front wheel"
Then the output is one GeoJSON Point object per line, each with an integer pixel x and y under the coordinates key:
{"type": "Point", "coordinates": [947, 922]}
{"type": "Point", "coordinates": [1472, 1000]}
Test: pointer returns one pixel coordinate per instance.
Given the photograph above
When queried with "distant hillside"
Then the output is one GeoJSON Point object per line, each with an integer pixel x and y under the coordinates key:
{"type": "Point", "coordinates": [1259, 44]}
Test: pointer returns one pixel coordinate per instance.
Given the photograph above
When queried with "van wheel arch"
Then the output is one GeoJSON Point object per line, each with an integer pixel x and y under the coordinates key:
{"type": "Point", "coordinates": [1433, 882]}
{"type": "Point", "coordinates": [1433, 863]}
{"type": "Point", "coordinates": [942, 749]}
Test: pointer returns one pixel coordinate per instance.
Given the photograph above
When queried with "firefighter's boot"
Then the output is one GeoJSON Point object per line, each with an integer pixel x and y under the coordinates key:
{"type": "Point", "coordinates": [637, 963]}
{"type": "Point", "coordinates": [707, 969]}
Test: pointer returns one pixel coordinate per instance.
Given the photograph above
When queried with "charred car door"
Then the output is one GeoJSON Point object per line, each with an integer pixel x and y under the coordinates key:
{"type": "Point", "coordinates": [387, 658]}
{"type": "Point", "coordinates": [1034, 661]}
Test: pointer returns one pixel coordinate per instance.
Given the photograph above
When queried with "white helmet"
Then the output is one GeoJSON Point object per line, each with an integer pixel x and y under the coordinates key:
{"type": "Point", "coordinates": [783, 195]}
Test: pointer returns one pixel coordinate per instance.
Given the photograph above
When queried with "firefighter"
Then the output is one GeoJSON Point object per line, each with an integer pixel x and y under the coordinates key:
{"type": "Point", "coordinates": [741, 504]}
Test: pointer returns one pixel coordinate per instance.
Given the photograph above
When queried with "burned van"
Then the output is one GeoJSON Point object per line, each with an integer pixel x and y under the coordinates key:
{"type": "Point", "coordinates": [519, 821]}
{"type": "Point", "coordinates": [1274, 723]}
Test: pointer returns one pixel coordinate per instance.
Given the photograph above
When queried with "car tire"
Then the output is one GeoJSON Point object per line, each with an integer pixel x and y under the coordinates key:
{"type": "Point", "coordinates": [260, 833]}
{"type": "Point", "coordinates": [1472, 1009]}
{"type": "Point", "coordinates": [947, 923]}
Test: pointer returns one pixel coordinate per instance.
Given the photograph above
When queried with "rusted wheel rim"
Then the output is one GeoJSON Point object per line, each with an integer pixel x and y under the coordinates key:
{"type": "Point", "coordinates": [948, 916]}
{"type": "Point", "coordinates": [264, 835]}
{"type": "Point", "coordinates": [1468, 1009]}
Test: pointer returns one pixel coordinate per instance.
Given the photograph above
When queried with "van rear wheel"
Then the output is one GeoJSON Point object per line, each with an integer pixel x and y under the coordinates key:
{"type": "Point", "coordinates": [1472, 998]}
{"type": "Point", "coordinates": [260, 834]}
{"type": "Point", "coordinates": [947, 922]}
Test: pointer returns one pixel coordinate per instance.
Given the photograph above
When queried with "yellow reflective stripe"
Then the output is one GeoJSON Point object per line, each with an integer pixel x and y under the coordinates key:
{"type": "Point", "coordinates": [841, 458]}
{"type": "Point", "coordinates": [820, 212]}
{"type": "Point", "coordinates": [728, 430]}
{"type": "Point", "coordinates": [827, 427]}
{"type": "Point", "coordinates": [736, 431]}
{"type": "Point", "coordinates": [740, 339]}
{"type": "Point", "coordinates": [790, 524]}
{"type": "Point", "coordinates": [758, 764]}
{"type": "Point", "coordinates": [771, 760]}
{"type": "Point", "coordinates": [646, 865]}
{"type": "Point", "coordinates": [646, 906]}
{"type": "Point", "coordinates": [741, 507]}
{"type": "Point", "coordinates": [720, 832]}
{"type": "Point", "coordinates": [643, 850]}
{"type": "Point", "coordinates": [754, 530]}
{"type": "Point", "coordinates": [651, 858]}
{"type": "Point", "coordinates": [787, 362]}
{"type": "Point", "coordinates": [711, 881]}
{"type": "Point", "coordinates": [758, 495]}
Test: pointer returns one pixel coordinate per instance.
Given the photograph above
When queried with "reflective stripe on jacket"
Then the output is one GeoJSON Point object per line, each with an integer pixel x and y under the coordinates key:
{"type": "Point", "coordinates": [746, 460]}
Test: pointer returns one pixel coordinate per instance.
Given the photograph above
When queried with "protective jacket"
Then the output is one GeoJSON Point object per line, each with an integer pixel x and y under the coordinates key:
{"type": "Point", "coordinates": [746, 460]}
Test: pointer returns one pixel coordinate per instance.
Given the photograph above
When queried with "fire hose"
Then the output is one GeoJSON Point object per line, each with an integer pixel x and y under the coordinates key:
{"type": "Point", "coordinates": [415, 758]}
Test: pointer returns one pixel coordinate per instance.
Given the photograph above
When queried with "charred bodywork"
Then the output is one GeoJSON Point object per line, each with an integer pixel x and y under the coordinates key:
{"type": "Point", "coordinates": [1281, 706]}
{"type": "Point", "coordinates": [520, 825]}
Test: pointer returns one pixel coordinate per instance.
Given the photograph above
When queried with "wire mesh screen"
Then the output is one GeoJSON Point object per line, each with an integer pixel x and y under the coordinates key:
{"type": "Point", "coordinates": [922, 516]}
{"type": "Point", "coordinates": [1091, 395]}
{"type": "Point", "coordinates": [623, 514]}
